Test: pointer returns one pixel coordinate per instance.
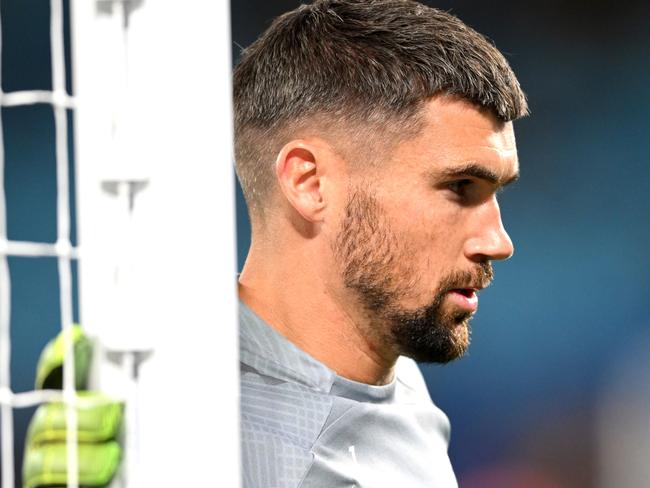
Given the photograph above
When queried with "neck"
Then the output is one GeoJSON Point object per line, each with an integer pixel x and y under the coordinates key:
{"type": "Point", "coordinates": [294, 296]}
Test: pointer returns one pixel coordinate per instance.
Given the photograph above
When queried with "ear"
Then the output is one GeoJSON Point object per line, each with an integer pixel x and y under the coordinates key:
{"type": "Point", "coordinates": [300, 170]}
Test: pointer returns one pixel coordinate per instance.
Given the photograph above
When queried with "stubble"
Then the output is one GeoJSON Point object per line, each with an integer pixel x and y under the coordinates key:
{"type": "Point", "coordinates": [377, 267]}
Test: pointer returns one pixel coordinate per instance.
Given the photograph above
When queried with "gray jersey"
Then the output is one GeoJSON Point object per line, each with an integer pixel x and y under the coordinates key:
{"type": "Point", "coordinates": [304, 426]}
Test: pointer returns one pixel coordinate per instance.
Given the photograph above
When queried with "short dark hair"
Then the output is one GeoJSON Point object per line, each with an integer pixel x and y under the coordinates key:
{"type": "Point", "coordinates": [357, 62]}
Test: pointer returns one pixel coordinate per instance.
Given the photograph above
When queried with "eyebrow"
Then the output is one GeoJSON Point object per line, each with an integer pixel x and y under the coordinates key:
{"type": "Point", "coordinates": [475, 170]}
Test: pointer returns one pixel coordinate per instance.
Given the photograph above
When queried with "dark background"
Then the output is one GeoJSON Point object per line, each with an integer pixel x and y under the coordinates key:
{"type": "Point", "coordinates": [563, 312]}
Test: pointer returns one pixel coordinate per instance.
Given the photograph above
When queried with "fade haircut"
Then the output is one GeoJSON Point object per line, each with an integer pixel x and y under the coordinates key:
{"type": "Point", "coordinates": [353, 65]}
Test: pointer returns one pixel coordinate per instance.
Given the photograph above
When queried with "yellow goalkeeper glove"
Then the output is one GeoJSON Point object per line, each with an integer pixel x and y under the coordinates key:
{"type": "Point", "coordinates": [98, 424]}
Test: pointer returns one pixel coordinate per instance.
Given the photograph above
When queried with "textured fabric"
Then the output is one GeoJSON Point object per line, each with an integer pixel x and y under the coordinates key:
{"type": "Point", "coordinates": [303, 426]}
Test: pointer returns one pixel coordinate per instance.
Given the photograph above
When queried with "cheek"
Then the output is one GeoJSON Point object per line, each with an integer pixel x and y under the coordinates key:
{"type": "Point", "coordinates": [427, 222]}
{"type": "Point", "coordinates": [430, 238]}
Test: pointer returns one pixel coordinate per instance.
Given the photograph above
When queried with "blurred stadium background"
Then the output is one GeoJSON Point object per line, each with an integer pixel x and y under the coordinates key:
{"type": "Point", "coordinates": [554, 392]}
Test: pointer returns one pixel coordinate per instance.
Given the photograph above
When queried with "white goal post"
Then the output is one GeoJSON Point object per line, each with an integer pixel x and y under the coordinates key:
{"type": "Point", "coordinates": [155, 196]}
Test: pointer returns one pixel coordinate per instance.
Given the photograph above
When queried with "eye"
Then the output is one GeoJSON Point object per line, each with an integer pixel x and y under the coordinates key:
{"type": "Point", "coordinates": [459, 187]}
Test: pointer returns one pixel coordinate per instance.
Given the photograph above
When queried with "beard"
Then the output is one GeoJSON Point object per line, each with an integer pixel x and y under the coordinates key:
{"type": "Point", "coordinates": [375, 267]}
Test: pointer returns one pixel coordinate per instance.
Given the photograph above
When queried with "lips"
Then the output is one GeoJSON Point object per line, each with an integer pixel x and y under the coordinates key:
{"type": "Point", "coordinates": [465, 298]}
{"type": "Point", "coordinates": [468, 292]}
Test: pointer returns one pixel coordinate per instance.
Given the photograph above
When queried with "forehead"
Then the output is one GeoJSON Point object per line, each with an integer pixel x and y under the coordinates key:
{"type": "Point", "coordinates": [455, 133]}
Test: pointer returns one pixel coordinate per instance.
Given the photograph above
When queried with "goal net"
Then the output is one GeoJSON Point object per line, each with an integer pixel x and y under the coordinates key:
{"type": "Point", "coordinates": [152, 134]}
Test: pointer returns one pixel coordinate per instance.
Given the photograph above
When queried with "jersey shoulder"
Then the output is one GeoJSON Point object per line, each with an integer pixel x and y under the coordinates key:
{"type": "Point", "coordinates": [280, 422]}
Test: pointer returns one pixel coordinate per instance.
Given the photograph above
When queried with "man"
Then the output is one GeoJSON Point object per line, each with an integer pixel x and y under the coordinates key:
{"type": "Point", "coordinates": [371, 139]}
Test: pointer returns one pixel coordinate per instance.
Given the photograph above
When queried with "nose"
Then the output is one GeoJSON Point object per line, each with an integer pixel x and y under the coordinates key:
{"type": "Point", "coordinates": [490, 241]}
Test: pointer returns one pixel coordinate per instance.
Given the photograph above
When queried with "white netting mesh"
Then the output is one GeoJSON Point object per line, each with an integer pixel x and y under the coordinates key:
{"type": "Point", "coordinates": [63, 250]}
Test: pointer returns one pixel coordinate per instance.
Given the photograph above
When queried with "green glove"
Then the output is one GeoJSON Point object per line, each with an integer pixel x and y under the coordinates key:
{"type": "Point", "coordinates": [98, 424]}
{"type": "Point", "coordinates": [49, 371]}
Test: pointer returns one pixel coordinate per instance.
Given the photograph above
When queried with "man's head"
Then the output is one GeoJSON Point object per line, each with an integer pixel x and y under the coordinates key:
{"type": "Point", "coordinates": [383, 129]}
